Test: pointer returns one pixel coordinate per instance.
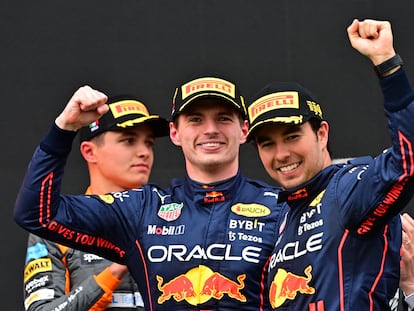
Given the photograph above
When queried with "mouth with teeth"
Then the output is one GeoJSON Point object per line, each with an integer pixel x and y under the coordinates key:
{"type": "Point", "coordinates": [210, 144]}
{"type": "Point", "coordinates": [288, 168]}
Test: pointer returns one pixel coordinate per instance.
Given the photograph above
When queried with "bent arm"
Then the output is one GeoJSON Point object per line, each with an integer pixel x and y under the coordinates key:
{"type": "Point", "coordinates": [94, 224]}
{"type": "Point", "coordinates": [47, 281]}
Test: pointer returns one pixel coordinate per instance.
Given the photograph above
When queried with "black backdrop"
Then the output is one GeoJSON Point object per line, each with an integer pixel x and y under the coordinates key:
{"type": "Point", "coordinates": [50, 48]}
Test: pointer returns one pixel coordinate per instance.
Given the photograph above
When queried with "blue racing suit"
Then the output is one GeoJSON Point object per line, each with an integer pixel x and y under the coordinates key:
{"type": "Point", "coordinates": [339, 247]}
{"type": "Point", "coordinates": [190, 247]}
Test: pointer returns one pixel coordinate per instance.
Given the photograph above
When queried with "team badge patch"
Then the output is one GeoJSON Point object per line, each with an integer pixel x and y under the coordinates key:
{"type": "Point", "coordinates": [170, 212]}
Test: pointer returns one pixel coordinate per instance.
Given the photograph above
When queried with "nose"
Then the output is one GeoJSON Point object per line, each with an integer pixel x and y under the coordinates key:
{"type": "Point", "coordinates": [281, 152]}
{"type": "Point", "coordinates": [210, 126]}
{"type": "Point", "coordinates": [143, 151]}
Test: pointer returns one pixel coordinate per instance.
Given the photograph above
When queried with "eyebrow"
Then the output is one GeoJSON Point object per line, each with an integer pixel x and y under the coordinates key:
{"type": "Point", "coordinates": [134, 133]}
{"type": "Point", "coordinates": [291, 128]}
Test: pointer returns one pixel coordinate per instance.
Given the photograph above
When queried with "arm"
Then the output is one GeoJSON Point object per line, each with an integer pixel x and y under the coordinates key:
{"type": "Point", "coordinates": [372, 39]}
{"type": "Point", "coordinates": [388, 177]}
{"type": "Point", "coordinates": [47, 280]}
{"type": "Point", "coordinates": [85, 106]}
{"type": "Point", "coordinates": [108, 280]}
{"type": "Point", "coordinates": [407, 264]}
{"type": "Point", "coordinates": [83, 222]}
{"type": "Point", "coordinates": [50, 287]}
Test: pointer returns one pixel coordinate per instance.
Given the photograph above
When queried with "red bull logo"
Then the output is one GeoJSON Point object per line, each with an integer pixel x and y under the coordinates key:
{"type": "Point", "coordinates": [298, 194]}
{"type": "Point", "coordinates": [217, 285]}
{"type": "Point", "coordinates": [214, 197]}
{"type": "Point", "coordinates": [199, 285]}
{"type": "Point", "coordinates": [179, 288]}
{"type": "Point", "coordinates": [287, 285]}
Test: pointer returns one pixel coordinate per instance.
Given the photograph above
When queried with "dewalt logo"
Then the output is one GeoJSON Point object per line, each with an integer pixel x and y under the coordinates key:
{"type": "Point", "coordinates": [37, 266]}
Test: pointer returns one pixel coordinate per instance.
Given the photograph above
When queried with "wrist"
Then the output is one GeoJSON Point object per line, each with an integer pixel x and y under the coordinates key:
{"type": "Point", "coordinates": [60, 123]}
{"type": "Point", "coordinates": [407, 290]}
{"type": "Point", "coordinates": [389, 66]}
{"type": "Point", "coordinates": [117, 270]}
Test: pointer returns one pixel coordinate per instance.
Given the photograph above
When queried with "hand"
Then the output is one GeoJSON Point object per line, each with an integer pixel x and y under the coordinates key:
{"type": "Point", "coordinates": [407, 262]}
{"type": "Point", "coordinates": [85, 106]}
{"type": "Point", "coordinates": [373, 39]}
{"type": "Point", "coordinates": [118, 270]}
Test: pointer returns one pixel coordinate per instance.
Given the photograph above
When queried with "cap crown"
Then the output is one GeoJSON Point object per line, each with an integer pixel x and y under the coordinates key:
{"type": "Point", "coordinates": [124, 111]}
{"type": "Point", "coordinates": [283, 102]}
{"type": "Point", "coordinates": [207, 87]}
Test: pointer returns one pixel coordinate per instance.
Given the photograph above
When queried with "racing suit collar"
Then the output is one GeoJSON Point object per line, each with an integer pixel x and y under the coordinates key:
{"type": "Point", "coordinates": [311, 188]}
{"type": "Point", "coordinates": [220, 191]}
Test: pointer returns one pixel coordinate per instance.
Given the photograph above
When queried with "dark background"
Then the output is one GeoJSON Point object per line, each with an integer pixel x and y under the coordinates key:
{"type": "Point", "coordinates": [50, 48]}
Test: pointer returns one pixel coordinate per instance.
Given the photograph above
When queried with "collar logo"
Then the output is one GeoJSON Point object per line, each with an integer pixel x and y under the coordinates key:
{"type": "Point", "coordinates": [170, 212]}
{"type": "Point", "coordinates": [214, 197]}
{"type": "Point", "coordinates": [298, 194]}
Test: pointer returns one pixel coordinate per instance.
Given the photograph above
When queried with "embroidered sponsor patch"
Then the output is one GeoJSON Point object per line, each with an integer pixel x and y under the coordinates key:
{"type": "Point", "coordinates": [41, 294]}
{"type": "Point", "coordinates": [36, 283]}
{"type": "Point", "coordinates": [36, 251]}
{"type": "Point", "coordinates": [37, 266]}
{"type": "Point", "coordinates": [208, 84]}
{"type": "Point", "coordinates": [170, 212]}
{"type": "Point", "coordinates": [250, 210]}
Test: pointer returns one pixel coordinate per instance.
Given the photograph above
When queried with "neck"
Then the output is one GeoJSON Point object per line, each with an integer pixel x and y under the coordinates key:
{"type": "Point", "coordinates": [208, 175]}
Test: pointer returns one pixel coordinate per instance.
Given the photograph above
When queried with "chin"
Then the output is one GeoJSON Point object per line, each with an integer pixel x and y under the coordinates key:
{"type": "Point", "coordinates": [289, 184]}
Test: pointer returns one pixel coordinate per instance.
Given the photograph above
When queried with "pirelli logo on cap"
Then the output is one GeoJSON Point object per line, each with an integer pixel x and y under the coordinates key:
{"type": "Point", "coordinates": [273, 101]}
{"type": "Point", "coordinates": [208, 84]}
{"type": "Point", "coordinates": [125, 107]}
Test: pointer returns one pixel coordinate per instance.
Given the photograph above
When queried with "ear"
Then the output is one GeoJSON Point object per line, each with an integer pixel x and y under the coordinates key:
{"type": "Point", "coordinates": [174, 135]}
{"type": "Point", "coordinates": [87, 149]}
{"type": "Point", "coordinates": [245, 131]}
{"type": "Point", "coordinates": [323, 133]}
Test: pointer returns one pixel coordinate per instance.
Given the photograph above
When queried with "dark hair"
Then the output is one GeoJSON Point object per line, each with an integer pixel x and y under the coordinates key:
{"type": "Point", "coordinates": [315, 124]}
{"type": "Point", "coordinates": [237, 111]}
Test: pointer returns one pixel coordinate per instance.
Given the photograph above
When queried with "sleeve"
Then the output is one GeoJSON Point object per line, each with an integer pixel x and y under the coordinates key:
{"type": "Point", "coordinates": [45, 274]}
{"type": "Point", "coordinates": [47, 281]}
{"type": "Point", "coordinates": [410, 301]}
{"type": "Point", "coordinates": [104, 225]}
{"type": "Point", "coordinates": [388, 179]}
{"type": "Point", "coordinates": [108, 283]}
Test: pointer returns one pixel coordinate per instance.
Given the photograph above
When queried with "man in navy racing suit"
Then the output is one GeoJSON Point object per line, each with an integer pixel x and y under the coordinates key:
{"type": "Point", "coordinates": [339, 247]}
{"type": "Point", "coordinates": [202, 244]}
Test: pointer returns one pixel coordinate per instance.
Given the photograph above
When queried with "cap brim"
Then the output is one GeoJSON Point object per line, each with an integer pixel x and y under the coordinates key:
{"type": "Point", "coordinates": [292, 120]}
{"type": "Point", "coordinates": [159, 125]}
{"type": "Point", "coordinates": [190, 101]}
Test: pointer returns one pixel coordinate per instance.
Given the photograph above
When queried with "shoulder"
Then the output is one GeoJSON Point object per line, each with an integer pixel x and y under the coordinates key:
{"type": "Point", "coordinates": [261, 185]}
{"type": "Point", "coordinates": [39, 248]}
{"type": "Point", "coordinates": [352, 166]}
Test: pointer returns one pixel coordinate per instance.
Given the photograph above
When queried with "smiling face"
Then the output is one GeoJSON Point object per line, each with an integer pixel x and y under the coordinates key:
{"type": "Point", "coordinates": [293, 154]}
{"type": "Point", "coordinates": [119, 160]}
{"type": "Point", "coordinates": [209, 132]}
